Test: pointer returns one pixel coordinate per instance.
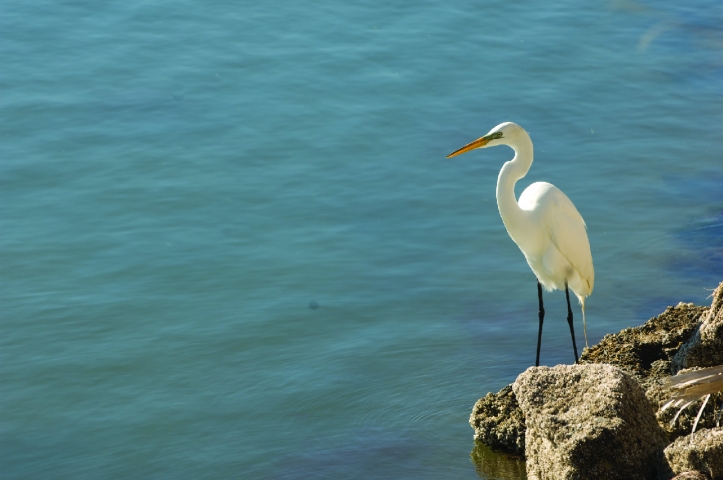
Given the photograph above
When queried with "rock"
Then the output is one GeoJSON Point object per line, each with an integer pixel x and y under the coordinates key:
{"type": "Point", "coordinates": [587, 421]}
{"type": "Point", "coordinates": [680, 336]}
{"type": "Point", "coordinates": [702, 451]}
{"type": "Point", "coordinates": [498, 421]}
{"type": "Point", "coordinates": [646, 351]}
{"type": "Point", "coordinates": [705, 347]}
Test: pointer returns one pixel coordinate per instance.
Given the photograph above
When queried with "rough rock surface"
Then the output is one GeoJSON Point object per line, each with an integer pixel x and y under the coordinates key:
{"type": "Point", "coordinates": [587, 421]}
{"type": "Point", "coordinates": [705, 347]}
{"type": "Point", "coordinates": [683, 337]}
{"type": "Point", "coordinates": [498, 421]}
{"type": "Point", "coordinates": [702, 451]}
{"type": "Point", "coordinates": [646, 351]}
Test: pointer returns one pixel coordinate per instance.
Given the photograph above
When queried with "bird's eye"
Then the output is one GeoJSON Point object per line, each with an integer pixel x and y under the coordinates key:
{"type": "Point", "coordinates": [499, 135]}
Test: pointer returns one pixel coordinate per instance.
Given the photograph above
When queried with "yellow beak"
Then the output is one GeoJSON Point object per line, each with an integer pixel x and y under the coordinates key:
{"type": "Point", "coordinates": [480, 142]}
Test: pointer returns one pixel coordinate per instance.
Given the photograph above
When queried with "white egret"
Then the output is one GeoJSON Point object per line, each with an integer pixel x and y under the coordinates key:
{"type": "Point", "coordinates": [544, 224]}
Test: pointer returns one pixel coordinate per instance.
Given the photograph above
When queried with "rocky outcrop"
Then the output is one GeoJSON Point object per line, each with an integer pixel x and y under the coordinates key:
{"type": "Point", "coordinates": [702, 451]}
{"type": "Point", "coordinates": [646, 351]}
{"type": "Point", "coordinates": [684, 336]}
{"type": "Point", "coordinates": [587, 421]}
{"type": "Point", "coordinates": [705, 347]}
{"type": "Point", "coordinates": [498, 421]}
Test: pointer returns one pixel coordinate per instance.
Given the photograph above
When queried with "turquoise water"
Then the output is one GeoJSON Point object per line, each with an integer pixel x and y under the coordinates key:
{"type": "Point", "coordinates": [231, 246]}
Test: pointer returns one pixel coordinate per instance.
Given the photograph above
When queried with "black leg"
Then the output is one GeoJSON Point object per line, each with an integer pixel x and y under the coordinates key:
{"type": "Point", "coordinates": [542, 317]}
{"type": "Point", "coordinates": [569, 321]}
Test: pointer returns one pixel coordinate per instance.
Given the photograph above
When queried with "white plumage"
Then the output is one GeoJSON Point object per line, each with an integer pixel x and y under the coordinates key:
{"type": "Point", "coordinates": [544, 223]}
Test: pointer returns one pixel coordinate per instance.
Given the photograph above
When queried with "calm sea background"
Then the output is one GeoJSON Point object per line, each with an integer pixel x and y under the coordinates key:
{"type": "Point", "coordinates": [231, 245]}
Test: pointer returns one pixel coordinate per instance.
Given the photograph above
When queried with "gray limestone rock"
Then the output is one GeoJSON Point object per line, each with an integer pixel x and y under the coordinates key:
{"type": "Point", "coordinates": [705, 347]}
{"type": "Point", "coordinates": [498, 421]}
{"type": "Point", "coordinates": [587, 421]}
{"type": "Point", "coordinates": [682, 337]}
{"type": "Point", "coordinates": [702, 451]}
{"type": "Point", "coordinates": [645, 351]}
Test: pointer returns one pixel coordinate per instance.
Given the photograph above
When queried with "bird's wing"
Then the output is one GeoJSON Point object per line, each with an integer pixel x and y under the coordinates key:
{"type": "Point", "coordinates": [568, 233]}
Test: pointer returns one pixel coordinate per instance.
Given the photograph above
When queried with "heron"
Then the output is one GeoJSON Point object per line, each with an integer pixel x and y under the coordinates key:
{"type": "Point", "coordinates": [544, 224]}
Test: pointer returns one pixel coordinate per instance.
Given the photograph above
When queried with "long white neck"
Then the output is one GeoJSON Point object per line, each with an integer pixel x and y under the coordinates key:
{"type": "Point", "coordinates": [510, 211]}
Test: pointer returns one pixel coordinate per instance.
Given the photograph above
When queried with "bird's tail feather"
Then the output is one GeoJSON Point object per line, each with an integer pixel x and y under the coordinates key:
{"type": "Point", "coordinates": [584, 325]}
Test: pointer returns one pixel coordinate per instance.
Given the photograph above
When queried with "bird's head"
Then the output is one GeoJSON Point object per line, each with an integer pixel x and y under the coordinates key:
{"type": "Point", "coordinates": [503, 134]}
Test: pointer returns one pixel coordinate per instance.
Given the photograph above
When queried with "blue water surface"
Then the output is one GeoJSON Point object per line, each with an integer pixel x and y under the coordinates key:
{"type": "Point", "coordinates": [231, 245]}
